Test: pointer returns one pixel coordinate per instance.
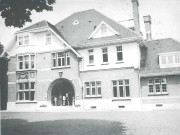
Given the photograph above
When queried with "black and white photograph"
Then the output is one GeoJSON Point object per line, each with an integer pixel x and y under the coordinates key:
{"type": "Point", "coordinates": [90, 67]}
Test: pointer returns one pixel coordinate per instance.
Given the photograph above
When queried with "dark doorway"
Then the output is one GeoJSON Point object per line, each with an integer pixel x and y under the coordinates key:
{"type": "Point", "coordinates": [62, 93]}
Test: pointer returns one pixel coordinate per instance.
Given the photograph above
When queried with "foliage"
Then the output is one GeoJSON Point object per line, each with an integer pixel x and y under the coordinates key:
{"type": "Point", "coordinates": [1, 48]}
{"type": "Point", "coordinates": [17, 12]}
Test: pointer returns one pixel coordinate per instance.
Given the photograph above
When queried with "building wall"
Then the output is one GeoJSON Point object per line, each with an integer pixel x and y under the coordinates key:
{"type": "Point", "coordinates": [45, 76]}
{"type": "Point", "coordinates": [106, 77]}
{"type": "Point", "coordinates": [131, 57]}
{"type": "Point", "coordinates": [173, 91]}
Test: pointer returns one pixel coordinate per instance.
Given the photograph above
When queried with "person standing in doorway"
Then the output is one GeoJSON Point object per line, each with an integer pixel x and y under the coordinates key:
{"type": "Point", "coordinates": [55, 101]}
{"type": "Point", "coordinates": [67, 98]}
{"type": "Point", "coordinates": [64, 100]}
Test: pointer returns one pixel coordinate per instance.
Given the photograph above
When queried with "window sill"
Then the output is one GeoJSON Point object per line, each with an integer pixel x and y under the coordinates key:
{"type": "Point", "coordinates": [54, 68]}
{"type": "Point", "coordinates": [26, 70]}
{"type": "Point", "coordinates": [158, 94]}
{"type": "Point", "coordinates": [90, 65]}
{"type": "Point", "coordinates": [105, 63]}
{"type": "Point", "coordinates": [118, 62]}
{"type": "Point", "coordinates": [25, 102]}
{"type": "Point", "coordinates": [93, 96]}
{"type": "Point", "coordinates": [121, 99]}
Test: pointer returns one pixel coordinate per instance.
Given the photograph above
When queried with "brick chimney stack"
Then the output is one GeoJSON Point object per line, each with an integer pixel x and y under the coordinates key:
{"type": "Point", "coordinates": [147, 23]}
{"type": "Point", "coordinates": [135, 5]}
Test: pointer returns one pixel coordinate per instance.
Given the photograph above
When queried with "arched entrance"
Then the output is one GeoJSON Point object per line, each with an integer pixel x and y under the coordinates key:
{"type": "Point", "coordinates": [61, 92]}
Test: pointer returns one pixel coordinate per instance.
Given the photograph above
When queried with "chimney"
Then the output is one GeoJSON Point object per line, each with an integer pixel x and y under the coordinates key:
{"type": "Point", "coordinates": [147, 23]}
{"type": "Point", "coordinates": [135, 5]}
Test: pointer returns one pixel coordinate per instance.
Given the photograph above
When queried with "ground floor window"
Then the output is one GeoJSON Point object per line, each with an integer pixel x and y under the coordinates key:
{"type": "Point", "coordinates": [93, 88]}
{"type": "Point", "coordinates": [26, 91]}
{"type": "Point", "coordinates": [157, 85]}
{"type": "Point", "coordinates": [121, 88]}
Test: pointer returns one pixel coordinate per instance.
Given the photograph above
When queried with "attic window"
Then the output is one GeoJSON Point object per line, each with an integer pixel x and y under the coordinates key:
{"type": "Point", "coordinates": [103, 28]}
{"type": "Point", "coordinates": [76, 22]}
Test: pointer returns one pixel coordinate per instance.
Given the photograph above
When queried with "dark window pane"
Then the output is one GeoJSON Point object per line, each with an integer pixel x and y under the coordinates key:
{"type": "Point", "coordinates": [93, 91]}
{"type": "Point", "coordinates": [157, 88]}
{"type": "Point", "coordinates": [121, 91]}
{"type": "Point", "coordinates": [119, 56]}
{"type": "Point", "coordinates": [26, 85]}
{"type": "Point", "coordinates": [164, 88]}
{"type": "Point", "coordinates": [150, 88]}
{"type": "Point", "coordinates": [99, 90]}
{"type": "Point", "coordinates": [91, 59]}
{"type": "Point", "coordinates": [127, 91]}
{"type": "Point", "coordinates": [32, 95]}
{"type": "Point", "coordinates": [27, 95]}
{"type": "Point", "coordinates": [87, 91]}
{"type": "Point", "coordinates": [63, 61]}
{"type": "Point", "coordinates": [20, 65]}
{"type": "Point", "coordinates": [32, 85]}
{"type": "Point", "coordinates": [105, 57]}
{"type": "Point", "coordinates": [21, 95]}
{"type": "Point", "coordinates": [59, 62]}
{"type": "Point", "coordinates": [115, 91]}
{"type": "Point", "coordinates": [68, 61]}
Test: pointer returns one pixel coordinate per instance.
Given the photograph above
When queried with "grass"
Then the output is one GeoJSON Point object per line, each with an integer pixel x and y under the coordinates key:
{"type": "Point", "coordinates": [91, 123]}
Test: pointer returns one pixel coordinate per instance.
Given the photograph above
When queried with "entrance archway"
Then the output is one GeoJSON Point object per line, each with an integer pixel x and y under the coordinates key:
{"type": "Point", "coordinates": [61, 92]}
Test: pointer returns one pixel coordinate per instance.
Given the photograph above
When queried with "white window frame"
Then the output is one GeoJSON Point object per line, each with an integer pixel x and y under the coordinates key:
{"type": "Point", "coordinates": [24, 61]}
{"type": "Point", "coordinates": [23, 40]}
{"type": "Point", "coordinates": [104, 52]}
{"type": "Point", "coordinates": [96, 87]}
{"type": "Point", "coordinates": [119, 51]}
{"type": "Point", "coordinates": [168, 60]}
{"type": "Point", "coordinates": [62, 56]}
{"type": "Point", "coordinates": [48, 38]}
{"type": "Point", "coordinates": [123, 85]}
{"type": "Point", "coordinates": [162, 81]}
{"type": "Point", "coordinates": [91, 54]}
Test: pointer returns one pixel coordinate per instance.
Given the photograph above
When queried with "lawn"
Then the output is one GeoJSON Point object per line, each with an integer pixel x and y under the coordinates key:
{"type": "Point", "coordinates": [91, 123]}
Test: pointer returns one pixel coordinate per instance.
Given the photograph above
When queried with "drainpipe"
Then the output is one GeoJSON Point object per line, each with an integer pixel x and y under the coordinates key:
{"type": "Point", "coordinates": [140, 90]}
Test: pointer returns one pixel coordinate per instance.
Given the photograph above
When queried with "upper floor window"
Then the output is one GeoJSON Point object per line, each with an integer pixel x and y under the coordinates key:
{"type": "Point", "coordinates": [103, 28]}
{"type": "Point", "coordinates": [157, 86]}
{"type": "Point", "coordinates": [121, 88]}
{"type": "Point", "coordinates": [48, 38]}
{"type": "Point", "coordinates": [91, 56]}
{"type": "Point", "coordinates": [105, 54]}
{"type": "Point", "coordinates": [60, 59]}
{"type": "Point", "coordinates": [23, 40]}
{"type": "Point", "coordinates": [169, 60]}
{"type": "Point", "coordinates": [119, 53]}
{"type": "Point", "coordinates": [26, 62]}
{"type": "Point", "coordinates": [93, 88]}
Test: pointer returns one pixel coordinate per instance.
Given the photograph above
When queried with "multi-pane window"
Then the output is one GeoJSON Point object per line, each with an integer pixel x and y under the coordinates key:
{"type": "Point", "coordinates": [23, 40]}
{"type": "Point", "coordinates": [26, 91]}
{"type": "Point", "coordinates": [105, 54]}
{"type": "Point", "coordinates": [60, 59]}
{"type": "Point", "coordinates": [121, 88]}
{"type": "Point", "coordinates": [91, 56]}
{"type": "Point", "coordinates": [157, 85]}
{"type": "Point", "coordinates": [26, 62]}
{"type": "Point", "coordinates": [170, 60]}
{"type": "Point", "coordinates": [119, 53]}
{"type": "Point", "coordinates": [93, 88]}
{"type": "Point", "coordinates": [48, 38]}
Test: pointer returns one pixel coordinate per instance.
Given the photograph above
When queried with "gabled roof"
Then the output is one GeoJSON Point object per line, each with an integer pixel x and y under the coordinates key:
{"type": "Point", "coordinates": [40, 24]}
{"type": "Point", "coordinates": [78, 35]}
{"type": "Point", "coordinates": [154, 48]}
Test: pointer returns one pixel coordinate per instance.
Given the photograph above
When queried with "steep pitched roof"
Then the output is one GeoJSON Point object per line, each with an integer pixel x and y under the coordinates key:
{"type": "Point", "coordinates": [40, 24]}
{"type": "Point", "coordinates": [155, 47]}
{"type": "Point", "coordinates": [78, 35]}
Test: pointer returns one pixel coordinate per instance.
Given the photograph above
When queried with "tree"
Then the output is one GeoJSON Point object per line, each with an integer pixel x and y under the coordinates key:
{"type": "Point", "coordinates": [1, 48]}
{"type": "Point", "coordinates": [17, 12]}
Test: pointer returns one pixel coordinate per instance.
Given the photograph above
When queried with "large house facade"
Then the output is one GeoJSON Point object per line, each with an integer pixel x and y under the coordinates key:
{"type": "Point", "coordinates": [89, 61]}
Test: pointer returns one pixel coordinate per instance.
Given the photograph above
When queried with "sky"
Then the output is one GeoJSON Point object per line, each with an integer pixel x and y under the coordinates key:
{"type": "Point", "coordinates": [165, 15]}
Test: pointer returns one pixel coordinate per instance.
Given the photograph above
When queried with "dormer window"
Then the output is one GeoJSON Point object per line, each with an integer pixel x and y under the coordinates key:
{"type": "Point", "coordinates": [103, 28]}
{"type": "Point", "coordinates": [48, 38]}
{"type": "Point", "coordinates": [168, 60]}
{"type": "Point", "coordinates": [76, 22]}
{"type": "Point", "coordinates": [23, 40]}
